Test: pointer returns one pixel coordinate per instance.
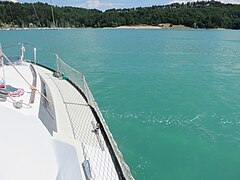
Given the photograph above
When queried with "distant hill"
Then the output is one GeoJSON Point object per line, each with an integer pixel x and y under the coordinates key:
{"type": "Point", "coordinates": [204, 14]}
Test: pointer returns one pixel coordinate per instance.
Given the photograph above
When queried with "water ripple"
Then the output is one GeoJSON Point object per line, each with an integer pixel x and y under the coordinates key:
{"type": "Point", "coordinates": [210, 126]}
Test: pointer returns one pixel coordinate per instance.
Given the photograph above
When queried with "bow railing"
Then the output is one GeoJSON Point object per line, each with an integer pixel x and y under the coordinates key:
{"type": "Point", "coordinates": [78, 79]}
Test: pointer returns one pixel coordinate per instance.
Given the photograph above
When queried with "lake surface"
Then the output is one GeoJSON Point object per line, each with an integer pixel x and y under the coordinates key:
{"type": "Point", "coordinates": [171, 98]}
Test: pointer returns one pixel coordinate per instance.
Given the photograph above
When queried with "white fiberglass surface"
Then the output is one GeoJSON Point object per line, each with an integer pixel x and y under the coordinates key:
{"type": "Point", "coordinates": [27, 149]}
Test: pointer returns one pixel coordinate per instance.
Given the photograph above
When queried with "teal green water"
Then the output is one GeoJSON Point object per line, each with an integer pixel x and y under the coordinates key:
{"type": "Point", "coordinates": [170, 97]}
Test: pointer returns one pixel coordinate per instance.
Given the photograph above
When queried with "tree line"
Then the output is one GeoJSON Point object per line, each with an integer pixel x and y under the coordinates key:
{"type": "Point", "coordinates": [204, 14]}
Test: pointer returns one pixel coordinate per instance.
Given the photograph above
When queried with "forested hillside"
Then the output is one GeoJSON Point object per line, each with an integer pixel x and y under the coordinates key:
{"type": "Point", "coordinates": [203, 14]}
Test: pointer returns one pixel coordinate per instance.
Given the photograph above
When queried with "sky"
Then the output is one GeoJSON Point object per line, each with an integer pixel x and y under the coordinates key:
{"type": "Point", "coordinates": [109, 4]}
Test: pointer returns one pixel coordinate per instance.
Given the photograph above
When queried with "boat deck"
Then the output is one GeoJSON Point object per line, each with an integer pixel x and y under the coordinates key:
{"type": "Point", "coordinates": [28, 151]}
{"type": "Point", "coordinates": [77, 124]}
{"type": "Point", "coordinates": [12, 78]}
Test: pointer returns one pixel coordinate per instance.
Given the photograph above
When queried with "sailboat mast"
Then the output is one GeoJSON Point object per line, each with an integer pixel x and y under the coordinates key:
{"type": "Point", "coordinates": [54, 24]}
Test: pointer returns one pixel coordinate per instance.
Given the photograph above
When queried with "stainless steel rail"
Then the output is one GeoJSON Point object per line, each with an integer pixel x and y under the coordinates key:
{"type": "Point", "coordinates": [34, 84]}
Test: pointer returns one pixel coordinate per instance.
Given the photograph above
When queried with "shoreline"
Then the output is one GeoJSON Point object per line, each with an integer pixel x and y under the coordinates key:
{"type": "Point", "coordinates": [165, 26]}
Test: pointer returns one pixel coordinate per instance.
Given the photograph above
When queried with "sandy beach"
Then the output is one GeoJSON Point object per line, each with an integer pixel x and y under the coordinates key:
{"type": "Point", "coordinates": [139, 27]}
{"type": "Point", "coordinates": [160, 26]}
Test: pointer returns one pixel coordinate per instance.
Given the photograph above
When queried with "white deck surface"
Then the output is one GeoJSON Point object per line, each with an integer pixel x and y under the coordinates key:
{"type": "Point", "coordinates": [27, 149]}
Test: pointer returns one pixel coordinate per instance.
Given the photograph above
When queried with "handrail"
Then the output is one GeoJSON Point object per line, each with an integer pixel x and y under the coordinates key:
{"type": "Point", "coordinates": [34, 84]}
{"type": "Point", "coordinates": [81, 83]}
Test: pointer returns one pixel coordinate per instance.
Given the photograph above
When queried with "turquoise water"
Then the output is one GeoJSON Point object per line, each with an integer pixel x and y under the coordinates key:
{"type": "Point", "coordinates": [170, 97]}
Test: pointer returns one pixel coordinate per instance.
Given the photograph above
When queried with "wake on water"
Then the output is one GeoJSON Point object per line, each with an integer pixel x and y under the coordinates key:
{"type": "Point", "coordinates": [209, 126]}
